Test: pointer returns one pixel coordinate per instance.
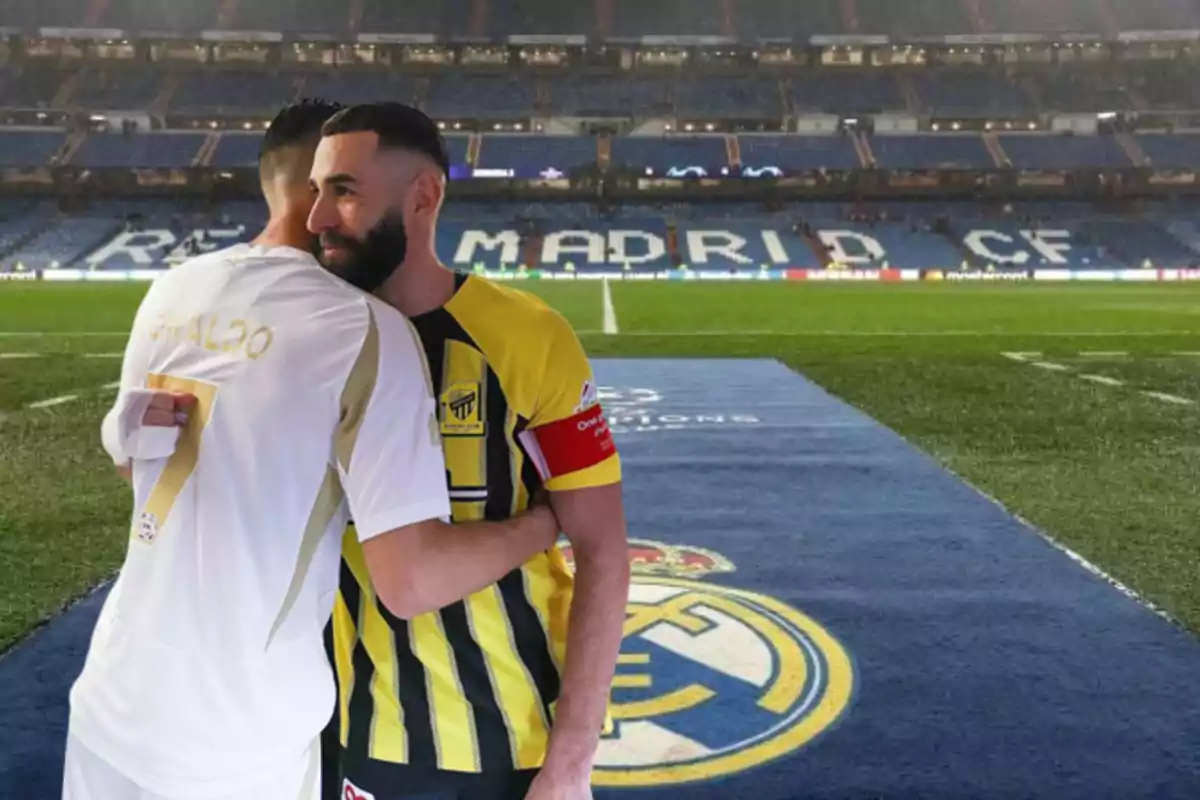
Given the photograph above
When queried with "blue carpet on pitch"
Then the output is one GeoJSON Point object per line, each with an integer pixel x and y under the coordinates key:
{"type": "Point", "coordinates": [819, 611]}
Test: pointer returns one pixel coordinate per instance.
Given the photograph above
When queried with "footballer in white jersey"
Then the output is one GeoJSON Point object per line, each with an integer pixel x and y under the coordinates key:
{"type": "Point", "coordinates": [207, 675]}
{"type": "Point", "coordinates": [207, 663]}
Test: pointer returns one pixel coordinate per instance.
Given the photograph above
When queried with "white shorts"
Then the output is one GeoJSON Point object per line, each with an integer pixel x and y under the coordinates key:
{"type": "Point", "coordinates": [86, 776]}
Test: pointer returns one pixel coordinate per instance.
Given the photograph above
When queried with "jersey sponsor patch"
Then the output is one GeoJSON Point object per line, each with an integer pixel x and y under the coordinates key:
{"type": "Point", "coordinates": [352, 792]}
{"type": "Point", "coordinates": [588, 396]}
{"type": "Point", "coordinates": [570, 445]}
{"type": "Point", "coordinates": [147, 527]}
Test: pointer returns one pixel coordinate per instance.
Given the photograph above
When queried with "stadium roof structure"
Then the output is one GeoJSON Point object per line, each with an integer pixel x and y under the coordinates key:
{"type": "Point", "coordinates": [655, 23]}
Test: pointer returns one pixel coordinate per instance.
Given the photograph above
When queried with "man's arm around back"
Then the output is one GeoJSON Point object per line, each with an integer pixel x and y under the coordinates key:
{"type": "Point", "coordinates": [389, 455]}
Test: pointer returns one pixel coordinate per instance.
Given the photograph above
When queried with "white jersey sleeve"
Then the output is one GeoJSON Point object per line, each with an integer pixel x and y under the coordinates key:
{"type": "Point", "coordinates": [121, 433]}
{"type": "Point", "coordinates": [388, 449]}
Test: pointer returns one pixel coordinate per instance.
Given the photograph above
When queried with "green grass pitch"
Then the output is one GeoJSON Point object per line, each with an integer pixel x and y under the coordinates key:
{"type": "Point", "coordinates": [1062, 430]}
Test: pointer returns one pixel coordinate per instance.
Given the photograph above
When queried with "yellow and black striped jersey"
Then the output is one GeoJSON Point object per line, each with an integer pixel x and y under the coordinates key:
{"type": "Point", "coordinates": [471, 688]}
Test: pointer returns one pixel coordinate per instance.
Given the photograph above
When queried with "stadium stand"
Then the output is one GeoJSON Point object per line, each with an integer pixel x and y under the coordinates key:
{"type": "Point", "coordinates": [770, 19]}
{"type": "Point", "coordinates": [361, 87]}
{"type": "Point", "coordinates": [661, 156]}
{"type": "Point", "coordinates": [1035, 151]}
{"type": "Point", "coordinates": [585, 95]}
{"type": "Point", "coordinates": [536, 156]}
{"type": "Point", "coordinates": [149, 150]}
{"type": "Point", "coordinates": [794, 153]}
{"type": "Point", "coordinates": [484, 96]}
{"type": "Point", "coordinates": [237, 149]}
{"type": "Point", "coordinates": [935, 95]}
{"type": "Point", "coordinates": [32, 86]}
{"type": "Point", "coordinates": [29, 148]}
{"type": "Point", "coordinates": [854, 92]}
{"type": "Point", "coordinates": [637, 238]}
{"type": "Point", "coordinates": [1180, 151]}
{"type": "Point", "coordinates": [443, 17]}
{"type": "Point", "coordinates": [969, 92]}
{"type": "Point", "coordinates": [952, 150]}
{"type": "Point", "coordinates": [233, 90]}
{"type": "Point", "coordinates": [930, 17]}
{"type": "Point", "coordinates": [635, 18]}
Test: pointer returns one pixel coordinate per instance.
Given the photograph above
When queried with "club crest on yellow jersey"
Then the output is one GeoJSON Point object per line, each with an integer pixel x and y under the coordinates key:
{"type": "Point", "coordinates": [712, 680]}
{"type": "Point", "coordinates": [462, 409]}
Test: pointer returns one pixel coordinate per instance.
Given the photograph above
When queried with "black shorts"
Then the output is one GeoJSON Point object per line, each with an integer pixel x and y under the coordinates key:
{"type": "Point", "coordinates": [385, 781]}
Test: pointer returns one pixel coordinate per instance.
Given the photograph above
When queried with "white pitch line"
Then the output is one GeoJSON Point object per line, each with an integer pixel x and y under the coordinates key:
{"type": "Point", "coordinates": [54, 401]}
{"type": "Point", "coordinates": [609, 324]}
{"type": "Point", "coordinates": [1104, 379]}
{"type": "Point", "coordinates": [103, 355]}
{"type": "Point", "coordinates": [834, 334]}
{"type": "Point", "coordinates": [67, 398]}
{"type": "Point", "coordinates": [15, 334]}
{"type": "Point", "coordinates": [902, 334]}
{"type": "Point", "coordinates": [1021, 357]}
{"type": "Point", "coordinates": [1170, 398]}
{"type": "Point", "coordinates": [19, 355]}
{"type": "Point", "coordinates": [1104, 354]}
{"type": "Point", "coordinates": [1024, 358]}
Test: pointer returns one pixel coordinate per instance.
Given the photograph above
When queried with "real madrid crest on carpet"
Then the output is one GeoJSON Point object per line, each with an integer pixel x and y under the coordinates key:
{"type": "Point", "coordinates": [712, 680]}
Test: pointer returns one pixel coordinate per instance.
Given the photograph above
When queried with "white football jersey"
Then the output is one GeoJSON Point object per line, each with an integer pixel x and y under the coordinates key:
{"type": "Point", "coordinates": [315, 406]}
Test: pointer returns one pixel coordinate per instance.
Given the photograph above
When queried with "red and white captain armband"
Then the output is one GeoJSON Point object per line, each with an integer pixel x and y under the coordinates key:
{"type": "Point", "coordinates": [569, 445]}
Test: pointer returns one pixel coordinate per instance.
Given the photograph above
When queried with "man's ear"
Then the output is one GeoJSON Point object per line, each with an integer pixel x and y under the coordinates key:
{"type": "Point", "coordinates": [429, 192]}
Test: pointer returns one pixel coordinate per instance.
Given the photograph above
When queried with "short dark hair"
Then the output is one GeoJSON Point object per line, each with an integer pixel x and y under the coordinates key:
{"type": "Point", "coordinates": [297, 123]}
{"type": "Point", "coordinates": [397, 125]}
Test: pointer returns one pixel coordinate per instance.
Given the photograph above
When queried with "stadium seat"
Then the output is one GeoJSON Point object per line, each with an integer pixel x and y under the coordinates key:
{"type": "Point", "coordinates": [151, 150]}
{"type": "Point", "coordinates": [969, 93]}
{"type": "Point", "coordinates": [1092, 88]}
{"type": "Point", "coordinates": [442, 17]}
{"type": "Point", "coordinates": [1040, 151]}
{"type": "Point", "coordinates": [851, 92]}
{"type": "Point", "coordinates": [125, 89]}
{"type": "Point", "coordinates": [792, 153]}
{"type": "Point", "coordinates": [1052, 16]}
{"type": "Point", "coordinates": [232, 91]}
{"type": "Point", "coordinates": [672, 155]}
{"type": "Point", "coordinates": [635, 18]}
{"type": "Point", "coordinates": [237, 149]}
{"type": "Point", "coordinates": [1167, 151]}
{"type": "Point", "coordinates": [457, 147]}
{"type": "Point", "coordinates": [939, 151]}
{"type": "Point", "coordinates": [156, 15]}
{"type": "Point", "coordinates": [44, 13]}
{"type": "Point", "coordinates": [361, 87]}
{"type": "Point", "coordinates": [29, 148]}
{"type": "Point", "coordinates": [313, 16]}
{"type": "Point", "coordinates": [33, 87]}
{"type": "Point", "coordinates": [925, 18]}
{"type": "Point", "coordinates": [787, 19]}
{"type": "Point", "coordinates": [533, 17]}
{"type": "Point", "coordinates": [1135, 242]}
{"type": "Point", "coordinates": [601, 94]}
{"type": "Point", "coordinates": [1156, 15]}
{"type": "Point", "coordinates": [18, 227]}
{"type": "Point", "coordinates": [65, 241]}
{"type": "Point", "coordinates": [536, 155]}
{"type": "Point", "coordinates": [727, 97]}
{"type": "Point", "coordinates": [481, 96]}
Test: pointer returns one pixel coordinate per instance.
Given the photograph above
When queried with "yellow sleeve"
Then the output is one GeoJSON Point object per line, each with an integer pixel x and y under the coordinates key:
{"type": "Point", "coordinates": [567, 388]}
